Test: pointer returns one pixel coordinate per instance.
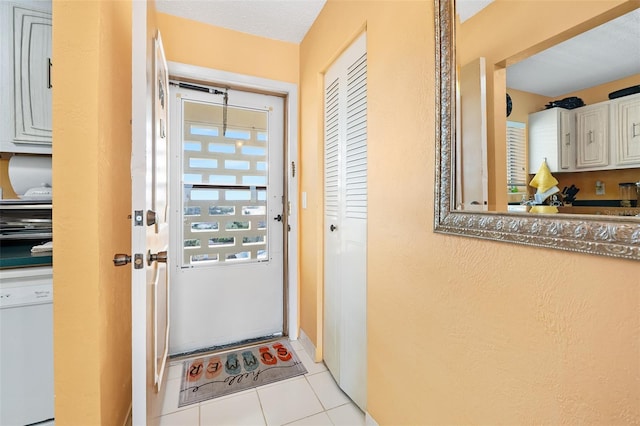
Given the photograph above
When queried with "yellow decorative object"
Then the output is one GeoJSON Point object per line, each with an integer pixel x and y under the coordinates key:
{"type": "Point", "coordinates": [544, 209]}
{"type": "Point", "coordinates": [543, 180]}
{"type": "Point", "coordinates": [546, 187]}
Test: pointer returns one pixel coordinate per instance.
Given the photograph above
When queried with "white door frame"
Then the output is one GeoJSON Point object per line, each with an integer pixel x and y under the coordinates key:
{"type": "Point", "coordinates": [290, 90]}
{"type": "Point", "coordinates": [147, 390]}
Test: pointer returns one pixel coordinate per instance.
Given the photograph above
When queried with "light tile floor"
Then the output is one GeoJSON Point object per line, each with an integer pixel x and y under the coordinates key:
{"type": "Point", "coordinates": [311, 400]}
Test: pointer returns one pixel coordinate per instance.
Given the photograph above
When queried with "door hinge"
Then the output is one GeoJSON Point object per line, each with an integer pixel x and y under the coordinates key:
{"type": "Point", "coordinates": [293, 169]}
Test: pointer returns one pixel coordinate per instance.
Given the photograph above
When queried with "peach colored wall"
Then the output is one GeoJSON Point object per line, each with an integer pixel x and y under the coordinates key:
{"type": "Point", "coordinates": [455, 336]}
{"type": "Point", "coordinates": [195, 43]}
{"type": "Point", "coordinates": [338, 24]}
{"type": "Point", "coordinates": [91, 157]}
{"type": "Point", "coordinates": [525, 103]}
{"type": "Point", "coordinates": [5, 183]}
{"type": "Point", "coordinates": [92, 109]}
{"type": "Point", "coordinates": [601, 93]}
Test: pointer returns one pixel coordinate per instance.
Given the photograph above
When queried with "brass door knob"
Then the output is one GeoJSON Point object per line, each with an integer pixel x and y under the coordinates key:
{"type": "Point", "coordinates": [121, 259]}
{"type": "Point", "coordinates": [160, 257]}
{"type": "Point", "coordinates": [151, 217]}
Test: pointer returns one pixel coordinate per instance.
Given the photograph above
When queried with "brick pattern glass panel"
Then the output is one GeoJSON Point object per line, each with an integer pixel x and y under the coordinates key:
{"type": "Point", "coordinates": [224, 185]}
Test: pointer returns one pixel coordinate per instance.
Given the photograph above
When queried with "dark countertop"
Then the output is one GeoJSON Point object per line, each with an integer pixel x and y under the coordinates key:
{"type": "Point", "coordinates": [17, 254]}
{"type": "Point", "coordinates": [603, 203]}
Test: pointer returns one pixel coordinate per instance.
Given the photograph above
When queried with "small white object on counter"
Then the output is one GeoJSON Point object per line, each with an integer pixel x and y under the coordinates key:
{"type": "Point", "coordinates": [42, 248]}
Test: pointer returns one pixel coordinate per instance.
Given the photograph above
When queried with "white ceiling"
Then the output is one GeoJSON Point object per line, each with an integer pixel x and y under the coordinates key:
{"type": "Point", "coordinates": [467, 8]}
{"type": "Point", "coordinates": [601, 55]}
{"type": "Point", "coordinates": [606, 53]}
{"type": "Point", "coordinates": [286, 20]}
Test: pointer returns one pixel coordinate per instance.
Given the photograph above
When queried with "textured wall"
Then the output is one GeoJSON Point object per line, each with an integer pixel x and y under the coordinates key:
{"type": "Point", "coordinates": [5, 183]}
{"type": "Point", "coordinates": [195, 43]}
{"type": "Point", "coordinates": [91, 156]}
{"type": "Point", "coordinates": [460, 331]}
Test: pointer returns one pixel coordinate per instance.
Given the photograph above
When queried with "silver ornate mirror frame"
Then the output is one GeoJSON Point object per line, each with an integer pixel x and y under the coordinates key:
{"type": "Point", "coordinates": [613, 236]}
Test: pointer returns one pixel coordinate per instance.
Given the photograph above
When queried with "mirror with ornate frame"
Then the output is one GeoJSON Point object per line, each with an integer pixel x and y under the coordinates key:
{"type": "Point", "coordinates": [615, 236]}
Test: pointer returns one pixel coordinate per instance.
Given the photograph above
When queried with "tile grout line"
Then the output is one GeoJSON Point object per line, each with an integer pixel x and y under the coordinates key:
{"type": "Point", "coordinates": [264, 416]}
{"type": "Point", "coordinates": [315, 393]}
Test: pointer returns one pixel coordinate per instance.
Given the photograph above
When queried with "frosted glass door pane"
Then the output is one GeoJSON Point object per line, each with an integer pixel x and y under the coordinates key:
{"type": "Point", "coordinates": [225, 182]}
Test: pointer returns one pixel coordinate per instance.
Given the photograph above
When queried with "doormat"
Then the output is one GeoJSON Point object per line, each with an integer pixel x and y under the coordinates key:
{"type": "Point", "coordinates": [217, 375]}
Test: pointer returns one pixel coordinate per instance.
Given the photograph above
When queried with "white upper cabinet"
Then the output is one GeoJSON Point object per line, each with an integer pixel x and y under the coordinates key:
{"type": "Point", "coordinates": [602, 136]}
{"type": "Point", "coordinates": [552, 138]}
{"type": "Point", "coordinates": [592, 136]}
{"type": "Point", "coordinates": [25, 122]}
{"type": "Point", "coordinates": [625, 130]}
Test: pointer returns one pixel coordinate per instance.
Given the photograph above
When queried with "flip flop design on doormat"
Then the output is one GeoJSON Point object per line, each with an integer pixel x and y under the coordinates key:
{"type": "Point", "coordinates": [222, 374]}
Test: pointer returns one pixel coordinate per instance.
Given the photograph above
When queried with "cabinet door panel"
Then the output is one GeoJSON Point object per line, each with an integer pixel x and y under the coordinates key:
{"type": "Point", "coordinates": [32, 53]}
{"type": "Point", "coordinates": [592, 131]}
{"type": "Point", "coordinates": [565, 134]}
{"type": "Point", "coordinates": [551, 139]}
{"type": "Point", "coordinates": [628, 131]}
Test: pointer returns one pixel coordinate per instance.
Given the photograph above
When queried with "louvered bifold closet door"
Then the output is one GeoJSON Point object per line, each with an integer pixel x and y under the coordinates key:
{"type": "Point", "coordinates": [516, 155]}
{"type": "Point", "coordinates": [332, 204]}
{"type": "Point", "coordinates": [331, 152]}
{"type": "Point", "coordinates": [345, 225]}
{"type": "Point", "coordinates": [356, 152]}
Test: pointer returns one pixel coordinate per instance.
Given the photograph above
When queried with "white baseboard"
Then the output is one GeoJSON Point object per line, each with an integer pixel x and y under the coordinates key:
{"type": "Point", "coordinates": [128, 421]}
{"type": "Point", "coordinates": [368, 420]}
{"type": "Point", "coordinates": [310, 349]}
{"type": "Point", "coordinates": [308, 346]}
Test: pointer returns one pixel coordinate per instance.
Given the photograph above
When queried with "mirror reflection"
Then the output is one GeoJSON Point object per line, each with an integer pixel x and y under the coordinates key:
{"type": "Point", "coordinates": [548, 107]}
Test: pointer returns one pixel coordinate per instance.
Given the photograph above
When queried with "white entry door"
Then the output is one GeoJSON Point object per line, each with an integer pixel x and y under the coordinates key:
{"type": "Point", "coordinates": [150, 227]}
{"type": "Point", "coordinates": [345, 221]}
{"type": "Point", "coordinates": [228, 186]}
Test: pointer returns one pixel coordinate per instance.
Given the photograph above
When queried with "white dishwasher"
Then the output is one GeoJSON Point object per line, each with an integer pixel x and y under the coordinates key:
{"type": "Point", "coordinates": [26, 346]}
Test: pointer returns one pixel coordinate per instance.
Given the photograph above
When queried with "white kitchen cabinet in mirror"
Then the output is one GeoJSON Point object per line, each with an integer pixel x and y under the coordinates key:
{"type": "Point", "coordinates": [592, 136]}
{"type": "Point", "coordinates": [625, 130]}
{"type": "Point", "coordinates": [552, 138]}
{"type": "Point", "coordinates": [607, 236]}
